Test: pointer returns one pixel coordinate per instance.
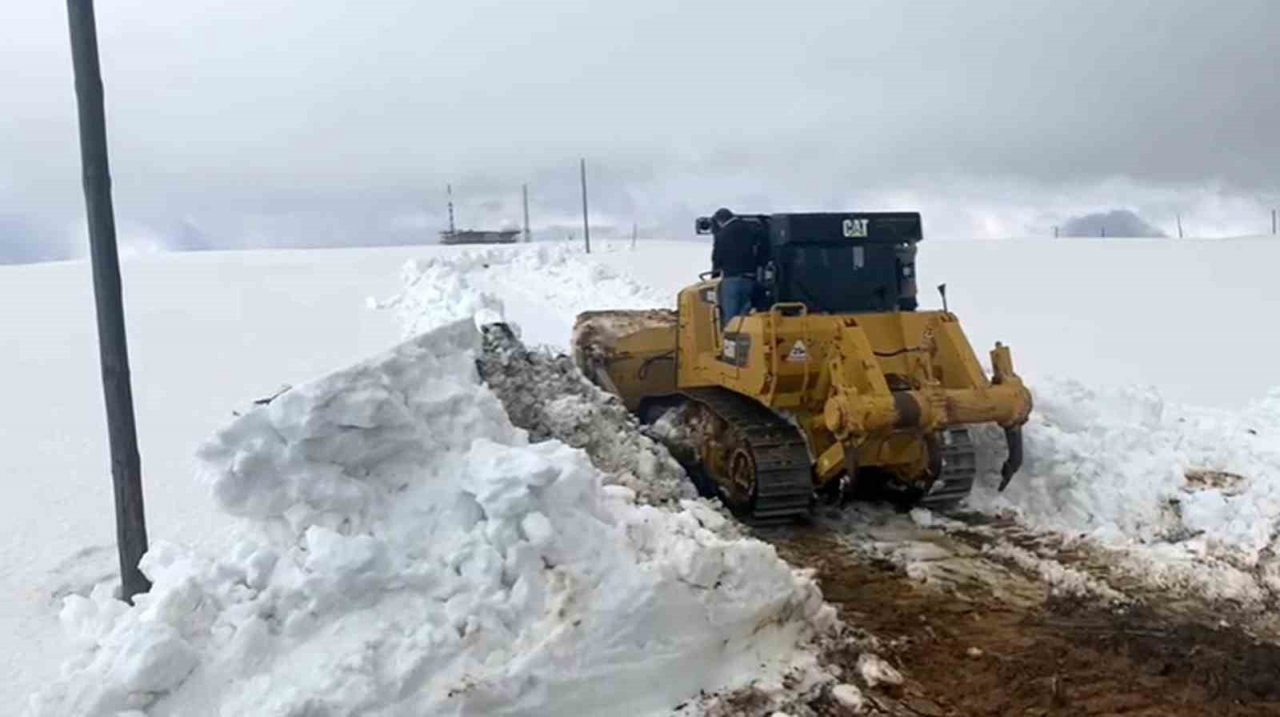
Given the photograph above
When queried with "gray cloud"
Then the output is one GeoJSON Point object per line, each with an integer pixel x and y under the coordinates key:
{"type": "Point", "coordinates": [22, 240]}
{"type": "Point", "coordinates": [1114, 223]}
{"type": "Point", "coordinates": [318, 122]}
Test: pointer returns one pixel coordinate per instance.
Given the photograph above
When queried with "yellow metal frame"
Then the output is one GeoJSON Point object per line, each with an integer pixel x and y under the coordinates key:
{"type": "Point", "coordinates": [875, 384]}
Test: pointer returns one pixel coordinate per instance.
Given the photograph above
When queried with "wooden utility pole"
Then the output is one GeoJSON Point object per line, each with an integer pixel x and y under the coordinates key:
{"type": "Point", "coordinates": [1179, 225]}
{"type": "Point", "coordinates": [1273, 221]}
{"type": "Point", "coordinates": [586, 226]}
{"type": "Point", "coordinates": [113, 350]}
{"type": "Point", "coordinates": [635, 228]}
{"type": "Point", "coordinates": [448, 189]}
{"type": "Point", "coordinates": [524, 195]}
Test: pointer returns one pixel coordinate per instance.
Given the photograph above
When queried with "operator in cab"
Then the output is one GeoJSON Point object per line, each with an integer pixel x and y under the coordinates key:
{"type": "Point", "coordinates": [738, 251]}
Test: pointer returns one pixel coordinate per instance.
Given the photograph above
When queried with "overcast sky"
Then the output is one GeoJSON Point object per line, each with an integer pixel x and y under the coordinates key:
{"type": "Point", "coordinates": [320, 122]}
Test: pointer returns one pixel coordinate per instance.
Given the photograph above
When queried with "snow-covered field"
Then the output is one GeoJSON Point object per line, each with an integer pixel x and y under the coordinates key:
{"type": "Point", "coordinates": [1149, 360]}
{"type": "Point", "coordinates": [209, 333]}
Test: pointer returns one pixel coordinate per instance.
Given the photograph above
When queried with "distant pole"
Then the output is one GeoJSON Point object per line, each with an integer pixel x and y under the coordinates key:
{"type": "Point", "coordinates": [448, 188]}
{"type": "Point", "coordinates": [1179, 225]}
{"type": "Point", "coordinates": [113, 350]}
{"type": "Point", "coordinates": [1102, 232]}
{"type": "Point", "coordinates": [1273, 221]}
{"type": "Point", "coordinates": [634, 229]}
{"type": "Point", "coordinates": [1055, 231]}
{"type": "Point", "coordinates": [586, 226]}
{"type": "Point", "coordinates": [524, 194]}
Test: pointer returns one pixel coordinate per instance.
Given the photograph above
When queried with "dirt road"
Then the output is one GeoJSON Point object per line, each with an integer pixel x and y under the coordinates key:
{"type": "Point", "coordinates": [982, 626]}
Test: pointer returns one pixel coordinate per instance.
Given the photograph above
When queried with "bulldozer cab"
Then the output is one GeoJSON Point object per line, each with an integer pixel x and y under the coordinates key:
{"type": "Point", "coordinates": [838, 263]}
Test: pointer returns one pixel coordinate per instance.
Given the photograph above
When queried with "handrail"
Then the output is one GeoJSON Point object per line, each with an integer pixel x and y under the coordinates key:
{"type": "Point", "coordinates": [785, 305]}
{"type": "Point", "coordinates": [808, 346]}
{"type": "Point", "coordinates": [776, 312]}
{"type": "Point", "coordinates": [717, 327]}
{"type": "Point", "coordinates": [772, 346]}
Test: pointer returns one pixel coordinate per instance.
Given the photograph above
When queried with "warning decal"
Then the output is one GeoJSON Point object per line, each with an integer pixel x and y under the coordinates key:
{"type": "Point", "coordinates": [798, 353]}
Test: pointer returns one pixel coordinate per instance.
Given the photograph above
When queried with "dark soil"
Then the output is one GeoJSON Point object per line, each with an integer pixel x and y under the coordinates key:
{"type": "Point", "coordinates": [967, 651]}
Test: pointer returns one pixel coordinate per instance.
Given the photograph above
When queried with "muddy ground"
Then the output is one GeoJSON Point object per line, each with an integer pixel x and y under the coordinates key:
{"type": "Point", "coordinates": [977, 633]}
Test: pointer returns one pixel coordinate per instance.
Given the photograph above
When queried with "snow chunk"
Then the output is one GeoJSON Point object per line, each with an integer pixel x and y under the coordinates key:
{"type": "Point", "coordinates": [849, 696]}
{"type": "Point", "coordinates": [546, 394]}
{"type": "Point", "coordinates": [875, 671]}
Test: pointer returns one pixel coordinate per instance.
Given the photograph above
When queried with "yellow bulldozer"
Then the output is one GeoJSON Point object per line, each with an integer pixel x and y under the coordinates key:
{"type": "Point", "coordinates": [833, 384]}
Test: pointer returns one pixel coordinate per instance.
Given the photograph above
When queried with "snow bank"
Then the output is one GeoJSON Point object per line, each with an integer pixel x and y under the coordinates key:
{"type": "Point", "coordinates": [1124, 465]}
{"type": "Point", "coordinates": [404, 550]}
{"type": "Point", "coordinates": [541, 288]}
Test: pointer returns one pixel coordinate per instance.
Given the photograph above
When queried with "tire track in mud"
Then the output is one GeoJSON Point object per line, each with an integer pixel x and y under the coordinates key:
{"type": "Point", "coordinates": [979, 629]}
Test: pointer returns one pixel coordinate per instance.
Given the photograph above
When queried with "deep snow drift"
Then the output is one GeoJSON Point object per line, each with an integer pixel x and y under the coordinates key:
{"type": "Point", "coordinates": [1196, 489]}
{"type": "Point", "coordinates": [406, 551]}
{"type": "Point", "coordinates": [1126, 463]}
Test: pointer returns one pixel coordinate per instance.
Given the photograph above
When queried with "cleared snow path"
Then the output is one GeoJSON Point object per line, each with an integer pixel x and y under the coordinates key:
{"type": "Point", "coordinates": [1190, 486]}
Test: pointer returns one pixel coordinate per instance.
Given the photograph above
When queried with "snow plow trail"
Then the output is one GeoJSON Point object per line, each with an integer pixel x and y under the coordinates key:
{"type": "Point", "coordinates": [980, 615]}
{"type": "Point", "coordinates": [979, 627]}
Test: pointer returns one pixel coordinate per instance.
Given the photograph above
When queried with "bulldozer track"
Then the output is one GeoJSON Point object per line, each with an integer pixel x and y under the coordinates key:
{"type": "Point", "coordinates": [783, 475]}
{"type": "Point", "coordinates": [959, 469]}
